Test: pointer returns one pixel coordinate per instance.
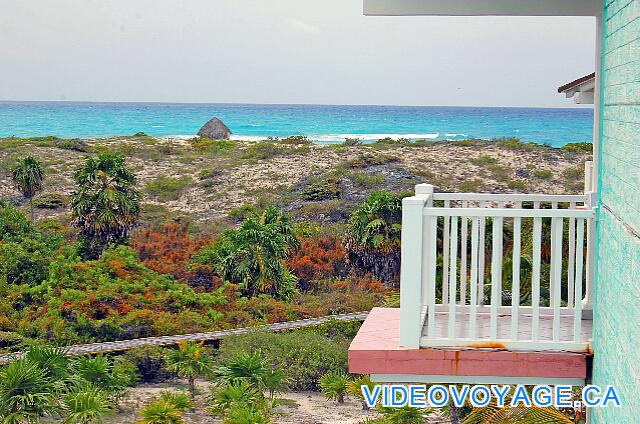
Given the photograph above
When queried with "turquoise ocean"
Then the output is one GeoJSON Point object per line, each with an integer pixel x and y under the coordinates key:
{"type": "Point", "coordinates": [321, 123]}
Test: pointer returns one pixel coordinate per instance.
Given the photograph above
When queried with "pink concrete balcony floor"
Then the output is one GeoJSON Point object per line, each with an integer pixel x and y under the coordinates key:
{"type": "Point", "coordinates": [376, 351]}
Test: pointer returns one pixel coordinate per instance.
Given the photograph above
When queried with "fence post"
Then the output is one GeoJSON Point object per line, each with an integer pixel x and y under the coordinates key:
{"type": "Point", "coordinates": [412, 266]}
{"type": "Point", "coordinates": [591, 200]}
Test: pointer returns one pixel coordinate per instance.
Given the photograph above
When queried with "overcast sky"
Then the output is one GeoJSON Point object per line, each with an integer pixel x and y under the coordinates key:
{"type": "Point", "coordinates": [283, 51]}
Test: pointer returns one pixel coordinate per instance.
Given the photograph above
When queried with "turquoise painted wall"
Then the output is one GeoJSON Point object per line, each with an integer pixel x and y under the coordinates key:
{"type": "Point", "coordinates": [616, 338]}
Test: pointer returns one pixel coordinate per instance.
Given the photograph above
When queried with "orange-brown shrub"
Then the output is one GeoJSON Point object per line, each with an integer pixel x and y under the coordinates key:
{"type": "Point", "coordinates": [168, 250]}
{"type": "Point", "coordinates": [317, 258]}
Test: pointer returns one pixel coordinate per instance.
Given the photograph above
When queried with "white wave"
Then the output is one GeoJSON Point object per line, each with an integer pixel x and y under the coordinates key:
{"type": "Point", "coordinates": [157, 126]}
{"type": "Point", "coordinates": [333, 138]}
{"type": "Point", "coordinates": [248, 137]}
{"type": "Point", "coordinates": [455, 135]}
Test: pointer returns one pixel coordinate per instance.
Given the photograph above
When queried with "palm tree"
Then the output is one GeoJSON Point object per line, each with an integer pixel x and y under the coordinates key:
{"type": "Point", "coordinates": [507, 415]}
{"type": "Point", "coordinates": [105, 203]}
{"type": "Point", "coordinates": [224, 397]}
{"type": "Point", "coordinates": [85, 403]}
{"type": "Point", "coordinates": [50, 360]}
{"type": "Point", "coordinates": [161, 411]}
{"type": "Point", "coordinates": [373, 242]}
{"type": "Point", "coordinates": [354, 387]}
{"type": "Point", "coordinates": [249, 367]}
{"type": "Point", "coordinates": [189, 361]}
{"type": "Point", "coordinates": [27, 175]}
{"type": "Point", "coordinates": [334, 386]}
{"type": "Point", "coordinates": [253, 255]}
{"type": "Point", "coordinates": [97, 370]}
{"type": "Point", "coordinates": [26, 392]}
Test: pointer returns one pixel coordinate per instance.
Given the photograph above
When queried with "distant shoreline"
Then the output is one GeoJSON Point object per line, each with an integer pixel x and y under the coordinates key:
{"type": "Point", "coordinates": [320, 123]}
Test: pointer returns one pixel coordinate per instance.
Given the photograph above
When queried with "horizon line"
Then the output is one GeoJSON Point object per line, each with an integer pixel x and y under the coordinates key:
{"type": "Point", "coordinates": [291, 104]}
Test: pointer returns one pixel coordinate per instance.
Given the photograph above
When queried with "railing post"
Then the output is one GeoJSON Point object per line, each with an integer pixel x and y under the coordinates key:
{"type": "Point", "coordinates": [591, 200]}
{"type": "Point", "coordinates": [412, 266]}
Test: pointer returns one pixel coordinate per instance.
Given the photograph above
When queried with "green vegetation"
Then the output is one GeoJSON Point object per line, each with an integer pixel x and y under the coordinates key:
{"type": "Point", "coordinates": [253, 255]}
{"type": "Point", "coordinates": [542, 174]}
{"type": "Point", "coordinates": [118, 268]}
{"type": "Point", "coordinates": [44, 382]}
{"type": "Point", "coordinates": [266, 150]}
{"type": "Point", "coordinates": [471, 186]}
{"type": "Point", "coordinates": [105, 204]}
{"type": "Point", "coordinates": [350, 142]}
{"type": "Point", "coordinates": [212, 146]}
{"type": "Point", "coordinates": [517, 144]}
{"type": "Point", "coordinates": [334, 386]}
{"type": "Point", "coordinates": [376, 223]}
{"type": "Point", "coordinates": [373, 241]}
{"type": "Point", "coordinates": [189, 361]}
{"type": "Point", "coordinates": [517, 184]}
{"type": "Point", "coordinates": [483, 160]}
{"type": "Point", "coordinates": [365, 160]}
{"type": "Point", "coordinates": [578, 147]}
{"type": "Point", "coordinates": [302, 356]}
{"type": "Point", "coordinates": [166, 409]}
{"type": "Point", "coordinates": [27, 175]}
{"type": "Point", "coordinates": [322, 189]}
{"type": "Point", "coordinates": [166, 188]}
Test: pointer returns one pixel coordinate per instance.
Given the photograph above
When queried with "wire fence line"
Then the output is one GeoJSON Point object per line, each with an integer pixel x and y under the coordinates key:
{"type": "Point", "coordinates": [122, 345]}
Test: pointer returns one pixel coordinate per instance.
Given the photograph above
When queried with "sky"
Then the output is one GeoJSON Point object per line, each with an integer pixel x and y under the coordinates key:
{"type": "Point", "coordinates": [283, 51]}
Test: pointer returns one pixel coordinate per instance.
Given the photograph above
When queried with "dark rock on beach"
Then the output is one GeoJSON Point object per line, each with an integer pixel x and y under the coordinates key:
{"type": "Point", "coordinates": [215, 129]}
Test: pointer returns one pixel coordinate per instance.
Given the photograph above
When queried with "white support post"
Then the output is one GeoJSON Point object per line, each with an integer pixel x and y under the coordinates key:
{"type": "Point", "coordinates": [411, 268]}
{"type": "Point", "coordinates": [556, 266]}
{"type": "Point", "coordinates": [591, 202]}
{"type": "Point", "coordinates": [515, 272]}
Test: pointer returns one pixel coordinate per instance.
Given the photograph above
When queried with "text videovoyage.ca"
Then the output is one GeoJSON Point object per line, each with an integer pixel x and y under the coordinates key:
{"type": "Point", "coordinates": [423, 396]}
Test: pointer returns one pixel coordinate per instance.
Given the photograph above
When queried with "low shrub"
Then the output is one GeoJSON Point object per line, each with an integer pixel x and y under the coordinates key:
{"type": "Point", "coordinates": [266, 150]}
{"type": "Point", "coordinates": [317, 258]}
{"type": "Point", "coordinates": [483, 160]}
{"type": "Point", "coordinates": [150, 363]}
{"type": "Point", "coordinates": [168, 188]}
{"type": "Point", "coordinates": [365, 160]}
{"type": "Point", "coordinates": [364, 180]}
{"type": "Point", "coordinates": [517, 184]}
{"type": "Point", "coordinates": [50, 201]}
{"type": "Point", "coordinates": [350, 142]}
{"type": "Point", "coordinates": [322, 189]}
{"type": "Point", "coordinates": [578, 147]}
{"type": "Point", "coordinates": [212, 146]}
{"type": "Point", "coordinates": [574, 173]}
{"type": "Point", "coordinates": [470, 186]}
{"type": "Point", "coordinates": [303, 357]}
{"type": "Point", "coordinates": [542, 174]}
{"type": "Point", "coordinates": [392, 141]}
{"type": "Point", "coordinates": [516, 143]}
{"type": "Point", "coordinates": [296, 140]}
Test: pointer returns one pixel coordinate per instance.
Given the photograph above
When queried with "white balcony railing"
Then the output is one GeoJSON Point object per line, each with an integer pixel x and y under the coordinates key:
{"type": "Point", "coordinates": [510, 271]}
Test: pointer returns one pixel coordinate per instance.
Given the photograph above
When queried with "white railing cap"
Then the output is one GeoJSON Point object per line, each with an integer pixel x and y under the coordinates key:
{"type": "Point", "coordinates": [422, 189]}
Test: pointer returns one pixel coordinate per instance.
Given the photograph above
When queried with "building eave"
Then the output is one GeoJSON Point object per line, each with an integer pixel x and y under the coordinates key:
{"type": "Point", "coordinates": [482, 8]}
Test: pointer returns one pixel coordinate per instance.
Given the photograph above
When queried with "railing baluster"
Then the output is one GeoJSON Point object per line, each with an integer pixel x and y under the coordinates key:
{"type": "Point", "coordinates": [481, 255]}
{"type": "Point", "coordinates": [554, 205]}
{"type": "Point", "coordinates": [556, 262]}
{"type": "Point", "coordinates": [515, 281]}
{"type": "Point", "coordinates": [463, 257]}
{"type": "Point", "coordinates": [445, 256]}
{"type": "Point", "coordinates": [474, 277]}
{"type": "Point", "coordinates": [433, 255]}
{"type": "Point", "coordinates": [453, 277]}
{"type": "Point", "coordinates": [496, 268]}
{"type": "Point", "coordinates": [535, 278]}
{"type": "Point", "coordinates": [577, 316]}
{"type": "Point", "coordinates": [572, 257]}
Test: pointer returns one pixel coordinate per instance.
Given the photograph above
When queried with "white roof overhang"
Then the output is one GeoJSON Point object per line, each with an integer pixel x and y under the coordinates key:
{"type": "Point", "coordinates": [483, 7]}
